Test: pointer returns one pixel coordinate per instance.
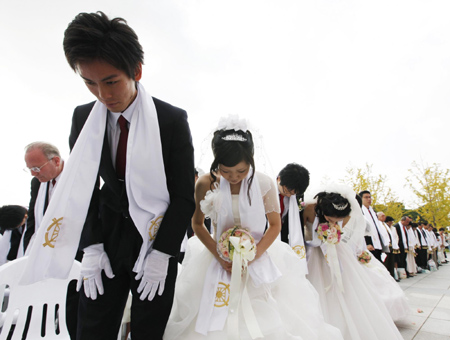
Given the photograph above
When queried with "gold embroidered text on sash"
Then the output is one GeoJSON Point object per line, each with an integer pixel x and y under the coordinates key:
{"type": "Point", "coordinates": [154, 226]}
{"type": "Point", "coordinates": [300, 251]}
{"type": "Point", "coordinates": [222, 295]}
{"type": "Point", "coordinates": [56, 224]}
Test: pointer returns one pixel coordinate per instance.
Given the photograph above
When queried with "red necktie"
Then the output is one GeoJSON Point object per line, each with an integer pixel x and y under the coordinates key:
{"type": "Point", "coordinates": [121, 156]}
{"type": "Point", "coordinates": [53, 182]}
{"type": "Point", "coordinates": [281, 204]}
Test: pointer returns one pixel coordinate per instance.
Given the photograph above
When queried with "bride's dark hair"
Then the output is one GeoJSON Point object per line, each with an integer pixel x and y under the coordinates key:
{"type": "Point", "coordinates": [327, 203]}
{"type": "Point", "coordinates": [231, 152]}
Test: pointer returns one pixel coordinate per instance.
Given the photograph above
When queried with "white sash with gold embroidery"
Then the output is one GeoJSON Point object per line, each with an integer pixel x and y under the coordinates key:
{"type": "Point", "coordinates": [295, 232]}
{"type": "Point", "coordinates": [52, 254]}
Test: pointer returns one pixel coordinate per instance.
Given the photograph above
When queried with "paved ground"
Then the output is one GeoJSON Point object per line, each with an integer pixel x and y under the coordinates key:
{"type": "Point", "coordinates": [429, 293]}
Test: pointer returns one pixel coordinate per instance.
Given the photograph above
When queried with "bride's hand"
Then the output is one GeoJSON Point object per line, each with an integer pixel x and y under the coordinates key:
{"type": "Point", "coordinates": [225, 264]}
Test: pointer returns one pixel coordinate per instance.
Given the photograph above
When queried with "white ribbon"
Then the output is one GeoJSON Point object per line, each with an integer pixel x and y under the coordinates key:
{"type": "Point", "coordinates": [329, 250]}
{"type": "Point", "coordinates": [246, 250]}
{"type": "Point", "coordinates": [335, 268]}
{"type": "Point", "coordinates": [243, 252]}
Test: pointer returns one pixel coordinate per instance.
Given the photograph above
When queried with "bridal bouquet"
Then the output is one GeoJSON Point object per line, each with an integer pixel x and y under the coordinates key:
{"type": "Point", "coordinates": [364, 257]}
{"type": "Point", "coordinates": [329, 234]}
{"type": "Point", "coordinates": [301, 204]}
{"type": "Point", "coordinates": [236, 240]}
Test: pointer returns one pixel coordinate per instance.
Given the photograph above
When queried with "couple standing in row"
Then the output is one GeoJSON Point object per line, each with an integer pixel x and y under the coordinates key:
{"type": "Point", "coordinates": [141, 148]}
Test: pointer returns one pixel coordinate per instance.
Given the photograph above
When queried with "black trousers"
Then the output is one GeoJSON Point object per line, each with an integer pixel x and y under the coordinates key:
{"type": "Point", "coordinates": [421, 258]}
{"type": "Point", "coordinates": [389, 263]}
{"type": "Point", "coordinates": [377, 254]}
{"type": "Point", "coordinates": [101, 318]}
{"type": "Point", "coordinates": [401, 258]}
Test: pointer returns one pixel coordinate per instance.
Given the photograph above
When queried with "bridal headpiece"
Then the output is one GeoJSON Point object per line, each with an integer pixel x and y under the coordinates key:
{"type": "Point", "coordinates": [234, 137]}
{"type": "Point", "coordinates": [341, 206]}
{"type": "Point", "coordinates": [232, 122]}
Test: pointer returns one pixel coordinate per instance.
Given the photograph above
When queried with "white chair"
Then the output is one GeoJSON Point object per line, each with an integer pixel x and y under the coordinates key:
{"type": "Point", "coordinates": [43, 301]}
{"type": "Point", "coordinates": [123, 331]}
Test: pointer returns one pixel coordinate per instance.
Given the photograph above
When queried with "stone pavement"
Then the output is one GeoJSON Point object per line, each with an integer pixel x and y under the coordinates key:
{"type": "Point", "coordinates": [429, 298]}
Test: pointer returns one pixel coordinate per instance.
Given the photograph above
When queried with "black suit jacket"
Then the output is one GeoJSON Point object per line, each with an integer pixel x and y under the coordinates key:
{"type": "Point", "coordinates": [111, 201]}
{"type": "Point", "coordinates": [16, 236]}
{"type": "Point", "coordinates": [31, 221]}
{"type": "Point", "coordinates": [285, 227]}
{"type": "Point", "coordinates": [398, 226]}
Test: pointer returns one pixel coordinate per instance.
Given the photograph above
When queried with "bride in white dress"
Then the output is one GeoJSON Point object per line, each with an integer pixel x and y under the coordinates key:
{"type": "Point", "coordinates": [275, 300]}
{"type": "Point", "coordinates": [347, 294]}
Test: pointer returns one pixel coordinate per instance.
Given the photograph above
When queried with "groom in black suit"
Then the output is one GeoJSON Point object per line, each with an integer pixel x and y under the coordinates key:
{"type": "Point", "coordinates": [402, 240]}
{"type": "Point", "coordinates": [107, 55]}
{"type": "Point", "coordinates": [293, 179]}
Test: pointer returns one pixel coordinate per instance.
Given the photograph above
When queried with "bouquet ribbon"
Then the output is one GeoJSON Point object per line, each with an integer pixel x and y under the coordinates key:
{"type": "Point", "coordinates": [243, 252]}
{"type": "Point", "coordinates": [335, 268]}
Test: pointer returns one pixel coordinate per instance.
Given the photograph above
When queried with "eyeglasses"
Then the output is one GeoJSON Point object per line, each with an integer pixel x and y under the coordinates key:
{"type": "Point", "coordinates": [35, 168]}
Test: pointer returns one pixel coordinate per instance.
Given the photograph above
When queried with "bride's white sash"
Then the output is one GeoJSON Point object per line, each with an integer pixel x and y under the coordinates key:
{"type": "Point", "coordinates": [52, 253]}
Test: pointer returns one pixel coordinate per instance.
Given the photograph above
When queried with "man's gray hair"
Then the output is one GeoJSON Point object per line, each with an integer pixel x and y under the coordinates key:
{"type": "Point", "coordinates": [49, 150]}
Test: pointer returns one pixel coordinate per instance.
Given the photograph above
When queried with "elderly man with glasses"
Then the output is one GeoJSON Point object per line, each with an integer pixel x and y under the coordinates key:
{"type": "Point", "coordinates": [44, 163]}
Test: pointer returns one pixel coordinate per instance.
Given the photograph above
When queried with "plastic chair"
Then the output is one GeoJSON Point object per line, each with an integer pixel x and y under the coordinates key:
{"type": "Point", "coordinates": [36, 311]}
{"type": "Point", "coordinates": [124, 327]}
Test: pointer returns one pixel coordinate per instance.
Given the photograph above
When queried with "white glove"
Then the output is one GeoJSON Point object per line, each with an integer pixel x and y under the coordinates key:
{"type": "Point", "coordinates": [94, 261]}
{"type": "Point", "coordinates": [153, 275]}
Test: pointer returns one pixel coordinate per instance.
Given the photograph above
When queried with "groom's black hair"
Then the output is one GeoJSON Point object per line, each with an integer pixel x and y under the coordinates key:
{"type": "Point", "coordinates": [364, 192]}
{"type": "Point", "coordinates": [389, 219]}
{"type": "Point", "coordinates": [294, 177]}
{"type": "Point", "coordinates": [11, 216]}
{"type": "Point", "coordinates": [94, 37]}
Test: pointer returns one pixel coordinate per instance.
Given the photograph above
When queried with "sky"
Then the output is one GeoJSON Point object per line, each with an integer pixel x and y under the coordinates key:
{"type": "Point", "coordinates": [329, 84]}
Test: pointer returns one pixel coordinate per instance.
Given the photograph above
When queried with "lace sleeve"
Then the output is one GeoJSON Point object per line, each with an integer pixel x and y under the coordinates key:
{"type": "Point", "coordinates": [269, 193]}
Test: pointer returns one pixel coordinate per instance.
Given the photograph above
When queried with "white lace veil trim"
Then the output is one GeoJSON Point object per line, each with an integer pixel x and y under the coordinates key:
{"type": "Point", "coordinates": [354, 230]}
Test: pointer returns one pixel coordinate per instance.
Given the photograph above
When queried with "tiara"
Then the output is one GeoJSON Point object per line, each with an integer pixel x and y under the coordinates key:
{"type": "Point", "coordinates": [340, 206]}
{"type": "Point", "coordinates": [234, 137]}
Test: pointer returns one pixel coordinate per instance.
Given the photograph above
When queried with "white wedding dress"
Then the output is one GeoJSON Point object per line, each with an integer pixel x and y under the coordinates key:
{"type": "Point", "coordinates": [285, 304]}
{"type": "Point", "coordinates": [388, 290]}
{"type": "Point", "coordinates": [357, 310]}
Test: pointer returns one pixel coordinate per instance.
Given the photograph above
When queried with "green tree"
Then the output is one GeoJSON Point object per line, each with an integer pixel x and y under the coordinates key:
{"type": "Point", "coordinates": [431, 186]}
